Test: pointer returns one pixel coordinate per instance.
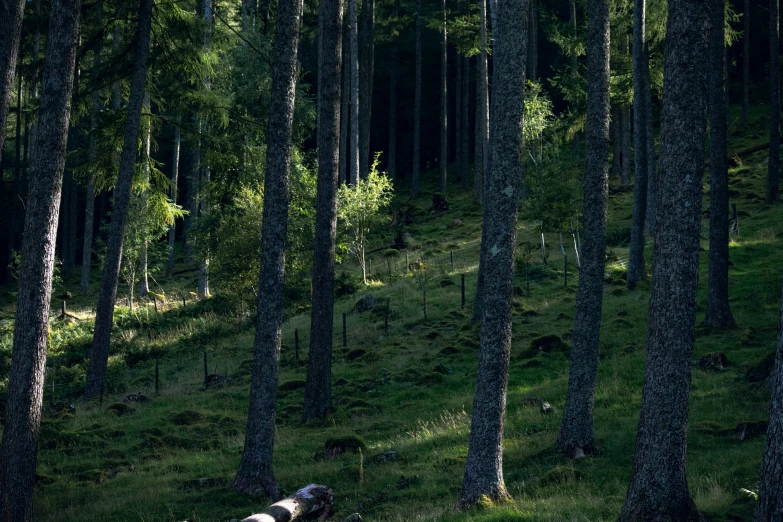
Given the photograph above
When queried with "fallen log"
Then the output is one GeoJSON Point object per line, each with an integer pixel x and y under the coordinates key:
{"type": "Point", "coordinates": [307, 500]}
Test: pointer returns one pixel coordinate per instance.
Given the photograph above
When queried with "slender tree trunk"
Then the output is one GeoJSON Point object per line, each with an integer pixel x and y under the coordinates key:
{"type": "Point", "coordinates": [318, 390]}
{"type": "Point", "coordinates": [615, 129]}
{"type": "Point", "coordinates": [718, 309]}
{"type": "Point", "coordinates": [745, 60]}
{"type": "Point", "coordinates": [417, 106]}
{"type": "Point", "coordinates": [99, 356]}
{"type": "Point", "coordinates": [458, 115]}
{"type": "Point", "coordinates": [483, 469]}
{"type": "Point", "coordinates": [773, 172]}
{"type": "Point", "coordinates": [576, 431]}
{"type": "Point", "coordinates": [192, 198]}
{"type": "Point", "coordinates": [625, 139]}
{"type": "Point", "coordinates": [345, 93]}
{"type": "Point", "coordinates": [174, 180]}
{"type": "Point", "coordinates": [144, 286]}
{"type": "Point", "coordinates": [659, 487]}
{"type": "Point", "coordinates": [770, 505]}
{"type": "Point", "coordinates": [89, 206]}
{"type": "Point", "coordinates": [651, 170]}
{"type": "Point", "coordinates": [444, 102]}
{"type": "Point", "coordinates": [366, 65]}
{"type": "Point", "coordinates": [353, 145]}
{"type": "Point", "coordinates": [255, 474]}
{"type": "Point", "coordinates": [465, 149]}
{"type": "Point", "coordinates": [10, 31]}
{"type": "Point", "coordinates": [203, 270]}
{"type": "Point", "coordinates": [482, 108]}
{"type": "Point", "coordinates": [392, 169]}
{"type": "Point", "coordinates": [28, 360]}
{"type": "Point", "coordinates": [532, 46]}
{"type": "Point", "coordinates": [641, 84]}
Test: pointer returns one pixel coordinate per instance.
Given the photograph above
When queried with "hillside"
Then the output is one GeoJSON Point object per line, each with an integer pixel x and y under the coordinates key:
{"type": "Point", "coordinates": [403, 393]}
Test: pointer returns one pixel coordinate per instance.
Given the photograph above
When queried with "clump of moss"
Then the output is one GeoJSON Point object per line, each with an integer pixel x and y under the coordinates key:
{"type": "Point", "coordinates": [96, 476]}
{"type": "Point", "coordinates": [352, 443]}
{"type": "Point", "coordinates": [341, 382]}
{"type": "Point", "coordinates": [748, 337]}
{"type": "Point", "coordinates": [355, 354]}
{"type": "Point", "coordinates": [406, 375]}
{"type": "Point", "coordinates": [447, 350]}
{"type": "Point", "coordinates": [561, 475]}
{"type": "Point", "coordinates": [120, 409]}
{"type": "Point", "coordinates": [187, 418]}
{"type": "Point", "coordinates": [760, 371]}
{"type": "Point", "coordinates": [292, 385]}
{"type": "Point", "coordinates": [431, 378]}
{"type": "Point", "coordinates": [548, 344]}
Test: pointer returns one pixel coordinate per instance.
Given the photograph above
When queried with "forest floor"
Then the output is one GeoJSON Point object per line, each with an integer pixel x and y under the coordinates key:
{"type": "Point", "coordinates": [408, 389]}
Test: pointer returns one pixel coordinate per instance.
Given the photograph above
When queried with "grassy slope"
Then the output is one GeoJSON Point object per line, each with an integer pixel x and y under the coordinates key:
{"type": "Point", "coordinates": [99, 466]}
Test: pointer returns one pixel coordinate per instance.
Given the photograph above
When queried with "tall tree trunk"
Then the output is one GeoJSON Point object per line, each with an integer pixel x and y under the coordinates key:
{"type": "Point", "coordinates": [576, 436]}
{"type": "Point", "coordinates": [73, 212]}
{"type": "Point", "coordinates": [366, 65]}
{"type": "Point", "coordinates": [482, 108]}
{"type": "Point", "coordinates": [10, 31]}
{"type": "Point", "coordinates": [444, 102]}
{"type": "Point", "coordinates": [192, 197]}
{"type": "Point", "coordinates": [641, 84]}
{"type": "Point", "coordinates": [773, 172]}
{"type": "Point", "coordinates": [417, 106]}
{"type": "Point", "coordinates": [532, 45]}
{"type": "Point", "coordinates": [615, 129]}
{"type": "Point", "coordinates": [353, 144]}
{"type": "Point", "coordinates": [659, 487]}
{"type": "Point", "coordinates": [28, 356]}
{"type": "Point", "coordinates": [203, 270]}
{"type": "Point", "coordinates": [345, 93]}
{"type": "Point", "coordinates": [718, 309]}
{"type": "Point", "coordinates": [318, 390]}
{"type": "Point", "coordinates": [392, 169]}
{"type": "Point", "coordinates": [649, 223]}
{"type": "Point", "coordinates": [458, 115]}
{"type": "Point", "coordinates": [144, 286]}
{"type": "Point", "coordinates": [625, 142]}
{"type": "Point", "coordinates": [255, 474]}
{"type": "Point", "coordinates": [174, 180]}
{"type": "Point", "coordinates": [770, 505]}
{"type": "Point", "coordinates": [465, 148]}
{"type": "Point", "coordinates": [89, 205]}
{"type": "Point", "coordinates": [483, 469]}
{"type": "Point", "coordinates": [745, 60]}
{"type": "Point", "coordinates": [99, 355]}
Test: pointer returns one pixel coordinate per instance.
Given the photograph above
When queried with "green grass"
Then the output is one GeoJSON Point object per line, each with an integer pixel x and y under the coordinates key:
{"type": "Point", "coordinates": [409, 389]}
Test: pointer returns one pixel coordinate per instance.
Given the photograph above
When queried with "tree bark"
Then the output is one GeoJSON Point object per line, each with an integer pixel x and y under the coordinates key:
{"type": "Point", "coordinates": [532, 46]}
{"type": "Point", "coordinates": [318, 390]}
{"type": "Point", "coordinates": [482, 108]}
{"type": "Point", "coordinates": [10, 31]}
{"type": "Point", "coordinates": [353, 145]}
{"type": "Point", "coordinates": [28, 359]}
{"type": "Point", "coordinates": [773, 172]}
{"type": "Point", "coordinates": [255, 474]}
{"type": "Point", "coordinates": [392, 162]}
{"type": "Point", "coordinates": [345, 93]}
{"type": "Point", "coordinates": [309, 499]}
{"type": "Point", "coordinates": [99, 355]}
{"type": "Point", "coordinates": [745, 60]}
{"type": "Point", "coordinates": [417, 107]}
{"type": "Point", "coordinates": [625, 140]}
{"type": "Point", "coordinates": [444, 102]}
{"type": "Point", "coordinates": [718, 309]}
{"type": "Point", "coordinates": [174, 180]}
{"type": "Point", "coordinates": [458, 115]}
{"type": "Point", "coordinates": [203, 272]}
{"type": "Point", "coordinates": [641, 84]}
{"type": "Point", "coordinates": [465, 149]}
{"type": "Point", "coordinates": [366, 65]}
{"type": "Point", "coordinates": [576, 436]}
{"type": "Point", "coordinates": [89, 205]}
{"type": "Point", "coordinates": [659, 488]}
{"type": "Point", "coordinates": [770, 504]}
{"type": "Point", "coordinates": [144, 286]}
{"type": "Point", "coordinates": [483, 469]}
